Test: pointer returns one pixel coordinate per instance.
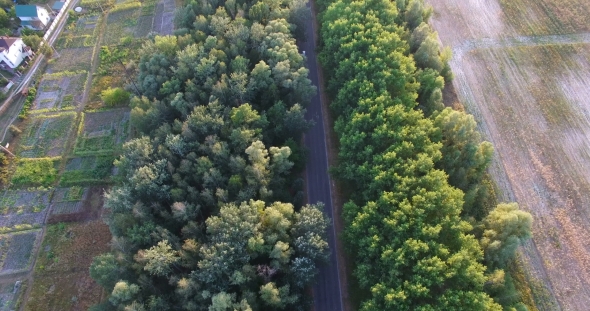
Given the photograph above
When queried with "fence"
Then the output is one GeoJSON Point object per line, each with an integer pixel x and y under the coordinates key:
{"type": "Point", "coordinates": [54, 24]}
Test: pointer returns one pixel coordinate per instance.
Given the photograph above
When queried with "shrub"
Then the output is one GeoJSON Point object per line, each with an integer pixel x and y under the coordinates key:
{"type": "Point", "coordinates": [115, 97]}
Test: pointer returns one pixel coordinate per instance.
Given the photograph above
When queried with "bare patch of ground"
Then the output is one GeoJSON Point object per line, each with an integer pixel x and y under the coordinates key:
{"type": "Point", "coordinates": [457, 20]}
{"type": "Point", "coordinates": [529, 95]}
{"type": "Point", "coordinates": [62, 280]}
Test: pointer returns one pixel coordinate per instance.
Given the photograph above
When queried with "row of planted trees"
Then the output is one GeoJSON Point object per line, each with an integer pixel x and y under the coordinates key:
{"type": "Point", "coordinates": [418, 223]}
{"type": "Point", "coordinates": [209, 215]}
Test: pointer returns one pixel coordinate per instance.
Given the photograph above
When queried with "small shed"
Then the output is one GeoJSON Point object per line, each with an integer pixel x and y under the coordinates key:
{"type": "Point", "coordinates": [57, 6]}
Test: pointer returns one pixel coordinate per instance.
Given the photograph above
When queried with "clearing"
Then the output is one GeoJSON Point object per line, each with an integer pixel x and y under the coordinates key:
{"type": "Point", "coordinates": [529, 93]}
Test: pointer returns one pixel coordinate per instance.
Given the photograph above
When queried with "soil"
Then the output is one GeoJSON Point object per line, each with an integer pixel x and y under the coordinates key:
{"type": "Point", "coordinates": [91, 208]}
{"type": "Point", "coordinates": [529, 95]}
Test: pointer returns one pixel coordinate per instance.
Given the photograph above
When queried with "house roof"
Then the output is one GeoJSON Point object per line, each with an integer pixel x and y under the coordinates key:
{"type": "Point", "coordinates": [6, 42]}
{"type": "Point", "coordinates": [26, 10]}
{"type": "Point", "coordinates": [34, 24]}
{"type": "Point", "coordinates": [57, 5]}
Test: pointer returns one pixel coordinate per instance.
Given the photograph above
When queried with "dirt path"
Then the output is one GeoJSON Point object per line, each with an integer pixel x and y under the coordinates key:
{"type": "Point", "coordinates": [529, 96]}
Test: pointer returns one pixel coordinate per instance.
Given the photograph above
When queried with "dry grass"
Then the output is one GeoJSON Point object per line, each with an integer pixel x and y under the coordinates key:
{"type": "Point", "coordinates": [73, 59]}
{"type": "Point", "coordinates": [534, 17]}
{"type": "Point", "coordinates": [62, 281]}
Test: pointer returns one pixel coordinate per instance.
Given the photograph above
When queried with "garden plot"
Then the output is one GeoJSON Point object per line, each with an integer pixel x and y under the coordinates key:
{"type": "Point", "coordinates": [68, 200]}
{"type": "Point", "coordinates": [102, 132]}
{"type": "Point", "coordinates": [23, 201]}
{"type": "Point", "coordinates": [60, 91]}
{"type": "Point", "coordinates": [22, 208]}
{"type": "Point", "coordinates": [72, 59]}
{"type": "Point", "coordinates": [10, 292]}
{"type": "Point", "coordinates": [82, 33]}
{"type": "Point", "coordinates": [62, 280]}
{"type": "Point", "coordinates": [17, 249]}
{"type": "Point", "coordinates": [164, 18]}
{"type": "Point", "coordinates": [88, 170]}
{"type": "Point", "coordinates": [46, 135]}
{"type": "Point", "coordinates": [122, 23]}
{"type": "Point", "coordinates": [35, 172]}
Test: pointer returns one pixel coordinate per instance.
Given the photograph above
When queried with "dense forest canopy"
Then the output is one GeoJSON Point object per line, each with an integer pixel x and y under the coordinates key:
{"type": "Point", "coordinates": [416, 170]}
{"type": "Point", "coordinates": [208, 214]}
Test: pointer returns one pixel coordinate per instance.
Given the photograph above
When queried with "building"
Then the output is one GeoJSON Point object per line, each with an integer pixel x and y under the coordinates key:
{"type": "Point", "coordinates": [57, 6]}
{"type": "Point", "coordinates": [32, 16]}
{"type": "Point", "coordinates": [13, 51]}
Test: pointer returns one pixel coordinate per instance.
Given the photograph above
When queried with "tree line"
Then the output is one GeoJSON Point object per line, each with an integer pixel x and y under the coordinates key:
{"type": "Point", "coordinates": [418, 223]}
{"type": "Point", "coordinates": [209, 211]}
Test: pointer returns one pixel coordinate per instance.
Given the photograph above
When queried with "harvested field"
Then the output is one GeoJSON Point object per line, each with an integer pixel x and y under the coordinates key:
{"type": "Point", "coordinates": [102, 132]}
{"type": "Point", "coordinates": [62, 281]}
{"type": "Point", "coordinates": [530, 98]}
{"type": "Point", "coordinates": [535, 17]}
{"type": "Point", "coordinates": [46, 135]}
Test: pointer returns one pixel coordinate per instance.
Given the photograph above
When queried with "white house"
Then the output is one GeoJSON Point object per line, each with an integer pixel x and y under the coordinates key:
{"type": "Point", "coordinates": [13, 51]}
{"type": "Point", "coordinates": [32, 16]}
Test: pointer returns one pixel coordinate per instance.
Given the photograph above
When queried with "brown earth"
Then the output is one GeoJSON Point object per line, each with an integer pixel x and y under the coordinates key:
{"type": "Point", "coordinates": [62, 281]}
{"type": "Point", "coordinates": [92, 208]}
{"type": "Point", "coordinates": [529, 95]}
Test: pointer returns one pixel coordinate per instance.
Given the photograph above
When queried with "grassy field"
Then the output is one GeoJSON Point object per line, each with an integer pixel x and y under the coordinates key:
{"type": "Point", "coordinates": [62, 281]}
{"type": "Point", "coordinates": [71, 59]}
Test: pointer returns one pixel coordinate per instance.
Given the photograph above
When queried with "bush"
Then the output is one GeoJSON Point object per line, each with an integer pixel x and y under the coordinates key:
{"type": "Point", "coordinates": [3, 168]}
{"type": "Point", "coordinates": [35, 172]}
{"type": "Point", "coordinates": [115, 97]}
{"type": "Point", "coordinates": [14, 130]}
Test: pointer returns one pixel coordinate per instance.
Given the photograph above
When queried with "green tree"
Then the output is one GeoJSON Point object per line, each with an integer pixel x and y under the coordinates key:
{"type": "Point", "coordinates": [105, 270]}
{"type": "Point", "coordinates": [159, 259]}
{"type": "Point", "coordinates": [505, 227]}
{"type": "Point", "coordinates": [123, 292]}
{"type": "Point", "coordinates": [33, 41]}
{"type": "Point", "coordinates": [465, 158]}
{"type": "Point", "coordinates": [3, 169]}
{"type": "Point", "coordinates": [4, 19]}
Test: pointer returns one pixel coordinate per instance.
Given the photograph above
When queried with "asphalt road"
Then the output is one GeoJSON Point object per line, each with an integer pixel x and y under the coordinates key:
{"type": "Point", "coordinates": [326, 292]}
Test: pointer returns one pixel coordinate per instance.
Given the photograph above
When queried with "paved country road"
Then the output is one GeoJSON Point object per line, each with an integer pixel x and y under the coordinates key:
{"type": "Point", "coordinates": [326, 292]}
